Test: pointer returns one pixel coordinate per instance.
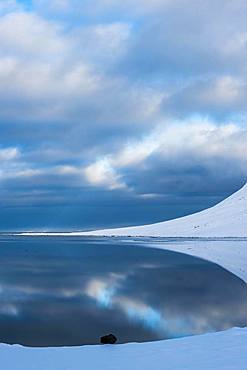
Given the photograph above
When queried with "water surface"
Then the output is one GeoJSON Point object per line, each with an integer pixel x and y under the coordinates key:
{"type": "Point", "coordinates": [70, 291]}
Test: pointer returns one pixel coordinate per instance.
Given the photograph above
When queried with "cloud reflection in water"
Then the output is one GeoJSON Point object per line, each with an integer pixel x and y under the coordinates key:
{"type": "Point", "coordinates": [71, 291]}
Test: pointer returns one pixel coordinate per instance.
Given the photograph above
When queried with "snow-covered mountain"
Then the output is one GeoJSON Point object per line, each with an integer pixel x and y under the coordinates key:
{"type": "Point", "coordinates": [226, 219]}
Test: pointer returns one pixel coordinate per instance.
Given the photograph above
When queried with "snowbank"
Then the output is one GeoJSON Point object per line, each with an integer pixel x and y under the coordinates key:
{"type": "Point", "coordinates": [223, 351]}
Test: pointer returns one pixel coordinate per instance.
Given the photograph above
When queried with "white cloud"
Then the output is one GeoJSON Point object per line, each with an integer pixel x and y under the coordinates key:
{"type": "Point", "coordinates": [66, 170]}
{"type": "Point", "coordinates": [27, 173]}
{"type": "Point", "coordinates": [227, 89]}
{"type": "Point", "coordinates": [104, 42]}
{"type": "Point", "coordinates": [48, 73]}
{"type": "Point", "coordinates": [136, 152]}
{"type": "Point", "coordinates": [8, 154]}
{"type": "Point", "coordinates": [222, 95]}
{"type": "Point", "coordinates": [198, 138]}
{"type": "Point", "coordinates": [27, 34]}
{"type": "Point", "coordinates": [101, 173]}
{"type": "Point", "coordinates": [149, 195]}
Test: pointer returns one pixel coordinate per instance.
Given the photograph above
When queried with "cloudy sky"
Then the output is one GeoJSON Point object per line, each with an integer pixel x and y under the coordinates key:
{"type": "Point", "coordinates": [119, 112]}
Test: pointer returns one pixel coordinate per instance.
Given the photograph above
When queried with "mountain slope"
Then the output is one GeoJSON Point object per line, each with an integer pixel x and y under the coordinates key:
{"type": "Point", "coordinates": [226, 219]}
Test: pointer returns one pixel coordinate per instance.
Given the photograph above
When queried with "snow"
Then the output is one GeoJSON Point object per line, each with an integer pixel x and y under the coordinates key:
{"type": "Point", "coordinates": [224, 351]}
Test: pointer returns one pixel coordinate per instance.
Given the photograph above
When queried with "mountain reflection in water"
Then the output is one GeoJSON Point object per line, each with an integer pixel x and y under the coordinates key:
{"type": "Point", "coordinates": [71, 291]}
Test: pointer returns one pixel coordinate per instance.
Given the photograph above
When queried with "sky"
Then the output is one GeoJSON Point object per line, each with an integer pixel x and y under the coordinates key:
{"type": "Point", "coordinates": [119, 113]}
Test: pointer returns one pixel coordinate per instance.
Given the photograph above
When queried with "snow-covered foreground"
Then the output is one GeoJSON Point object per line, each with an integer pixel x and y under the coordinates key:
{"type": "Point", "coordinates": [223, 351]}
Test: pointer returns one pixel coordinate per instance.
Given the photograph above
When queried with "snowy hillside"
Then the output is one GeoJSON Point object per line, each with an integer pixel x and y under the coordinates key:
{"type": "Point", "coordinates": [226, 219]}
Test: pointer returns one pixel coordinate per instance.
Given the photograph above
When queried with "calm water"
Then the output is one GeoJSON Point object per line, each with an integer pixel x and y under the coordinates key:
{"type": "Point", "coordinates": [71, 291]}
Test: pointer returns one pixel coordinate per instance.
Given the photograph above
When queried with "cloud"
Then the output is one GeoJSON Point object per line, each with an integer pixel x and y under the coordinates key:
{"type": "Point", "coordinates": [136, 103]}
{"type": "Point", "coordinates": [8, 154]}
{"type": "Point", "coordinates": [189, 38]}
{"type": "Point", "coordinates": [27, 34]}
{"type": "Point", "coordinates": [198, 138]}
{"type": "Point", "coordinates": [220, 97]}
{"type": "Point", "coordinates": [49, 75]}
{"type": "Point", "coordinates": [101, 173]}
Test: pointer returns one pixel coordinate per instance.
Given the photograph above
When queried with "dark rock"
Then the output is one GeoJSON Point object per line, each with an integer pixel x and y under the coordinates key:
{"type": "Point", "coordinates": [108, 339]}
